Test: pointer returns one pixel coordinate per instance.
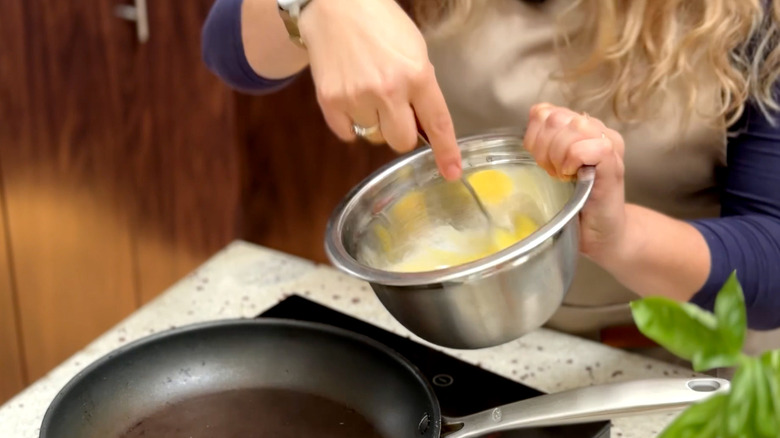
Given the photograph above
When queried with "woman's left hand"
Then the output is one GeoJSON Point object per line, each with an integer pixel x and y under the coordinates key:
{"type": "Point", "coordinates": [561, 141]}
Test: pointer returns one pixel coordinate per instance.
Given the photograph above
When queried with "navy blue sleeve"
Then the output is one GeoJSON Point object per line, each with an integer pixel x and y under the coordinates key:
{"type": "Point", "coordinates": [746, 237]}
{"type": "Point", "coordinates": [223, 50]}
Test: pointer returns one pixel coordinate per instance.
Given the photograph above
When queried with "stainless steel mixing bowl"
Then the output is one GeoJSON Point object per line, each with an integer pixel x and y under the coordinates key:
{"type": "Point", "coordinates": [483, 303]}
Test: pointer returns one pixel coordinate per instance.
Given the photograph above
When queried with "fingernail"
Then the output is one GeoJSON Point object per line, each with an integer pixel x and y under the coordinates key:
{"type": "Point", "coordinates": [452, 172]}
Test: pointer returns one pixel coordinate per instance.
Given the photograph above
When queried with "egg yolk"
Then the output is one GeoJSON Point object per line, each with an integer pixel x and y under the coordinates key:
{"type": "Point", "coordinates": [492, 186]}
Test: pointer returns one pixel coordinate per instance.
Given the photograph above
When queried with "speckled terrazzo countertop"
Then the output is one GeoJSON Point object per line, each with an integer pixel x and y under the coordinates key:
{"type": "Point", "coordinates": [244, 280]}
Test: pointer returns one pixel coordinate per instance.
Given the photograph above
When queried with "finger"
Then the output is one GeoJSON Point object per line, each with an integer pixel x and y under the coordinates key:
{"type": "Point", "coordinates": [340, 123]}
{"type": "Point", "coordinates": [336, 117]}
{"type": "Point", "coordinates": [375, 134]}
{"type": "Point", "coordinates": [579, 128]}
{"type": "Point", "coordinates": [537, 115]}
{"type": "Point", "coordinates": [398, 126]}
{"type": "Point", "coordinates": [611, 134]}
{"type": "Point", "coordinates": [431, 108]}
{"type": "Point", "coordinates": [363, 112]}
{"type": "Point", "coordinates": [617, 141]}
{"type": "Point", "coordinates": [555, 122]}
{"type": "Point", "coordinates": [596, 152]}
{"type": "Point", "coordinates": [537, 122]}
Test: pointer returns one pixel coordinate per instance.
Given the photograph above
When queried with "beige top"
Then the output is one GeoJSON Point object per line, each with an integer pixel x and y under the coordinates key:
{"type": "Point", "coordinates": [492, 73]}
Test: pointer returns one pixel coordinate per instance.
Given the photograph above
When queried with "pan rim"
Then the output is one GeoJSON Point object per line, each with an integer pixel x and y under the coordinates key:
{"type": "Point", "coordinates": [118, 353]}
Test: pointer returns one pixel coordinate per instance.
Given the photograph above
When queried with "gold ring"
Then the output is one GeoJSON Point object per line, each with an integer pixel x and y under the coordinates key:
{"type": "Point", "coordinates": [361, 131]}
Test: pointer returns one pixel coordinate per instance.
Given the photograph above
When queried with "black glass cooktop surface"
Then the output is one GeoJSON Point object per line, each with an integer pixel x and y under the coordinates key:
{"type": "Point", "coordinates": [461, 388]}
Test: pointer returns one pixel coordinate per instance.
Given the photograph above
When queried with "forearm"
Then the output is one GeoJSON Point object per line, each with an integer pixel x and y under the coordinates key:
{"type": "Point", "coordinates": [267, 45]}
{"type": "Point", "coordinates": [658, 255]}
{"type": "Point", "coordinates": [266, 42]}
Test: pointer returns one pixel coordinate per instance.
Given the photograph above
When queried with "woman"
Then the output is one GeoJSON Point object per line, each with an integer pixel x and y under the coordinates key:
{"type": "Point", "coordinates": [673, 102]}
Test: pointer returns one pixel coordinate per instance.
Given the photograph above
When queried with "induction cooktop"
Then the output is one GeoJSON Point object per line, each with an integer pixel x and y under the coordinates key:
{"type": "Point", "coordinates": [462, 388]}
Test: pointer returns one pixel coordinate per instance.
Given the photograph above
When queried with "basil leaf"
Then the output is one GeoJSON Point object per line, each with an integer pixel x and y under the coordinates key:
{"type": "Point", "coordinates": [741, 401]}
{"type": "Point", "coordinates": [770, 362]}
{"type": "Point", "coordinates": [685, 330]}
{"type": "Point", "coordinates": [698, 314]}
{"type": "Point", "coordinates": [764, 417]}
{"type": "Point", "coordinates": [731, 315]}
{"type": "Point", "coordinates": [710, 340]}
{"type": "Point", "coordinates": [697, 421]}
{"type": "Point", "coordinates": [752, 410]}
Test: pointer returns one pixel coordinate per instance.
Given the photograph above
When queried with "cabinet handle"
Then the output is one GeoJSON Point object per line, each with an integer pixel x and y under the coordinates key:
{"type": "Point", "coordinates": [137, 13]}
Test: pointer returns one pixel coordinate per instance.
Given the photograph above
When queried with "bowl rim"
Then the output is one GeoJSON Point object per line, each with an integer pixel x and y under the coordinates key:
{"type": "Point", "coordinates": [514, 254]}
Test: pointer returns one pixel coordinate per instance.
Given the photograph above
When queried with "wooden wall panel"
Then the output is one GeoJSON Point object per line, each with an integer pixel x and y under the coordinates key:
{"type": "Point", "coordinates": [180, 130]}
{"type": "Point", "coordinates": [14, 133]}
{"type": "Point", "coordinates": [69, 231]}
{"type": "Point", "coordinates": [12, 369]}
{"type": "Point", "coordinates": [295, 170]}
{"type": "Point", "coordinates": [120, 168]}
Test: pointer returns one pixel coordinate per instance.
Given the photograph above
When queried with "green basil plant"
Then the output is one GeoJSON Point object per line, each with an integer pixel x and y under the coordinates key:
{"type": "Point", "coordinates": [709, 340]}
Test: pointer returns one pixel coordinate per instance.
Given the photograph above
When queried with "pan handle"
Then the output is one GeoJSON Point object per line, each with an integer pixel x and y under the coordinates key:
{"type": "Point", "coordinates": [588, 404]}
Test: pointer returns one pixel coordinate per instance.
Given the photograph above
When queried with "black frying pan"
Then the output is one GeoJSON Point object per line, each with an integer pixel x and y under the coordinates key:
{"type": "Point", "coordinates": [280, 378]}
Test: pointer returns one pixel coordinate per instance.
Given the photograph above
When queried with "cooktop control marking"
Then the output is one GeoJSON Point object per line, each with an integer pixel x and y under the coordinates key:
{"type": "Point", "coordinates": [442, 380]}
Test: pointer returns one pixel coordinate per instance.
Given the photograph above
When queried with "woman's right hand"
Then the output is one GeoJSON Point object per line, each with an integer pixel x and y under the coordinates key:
{"type": "Point", "coordinates": [370, 67]}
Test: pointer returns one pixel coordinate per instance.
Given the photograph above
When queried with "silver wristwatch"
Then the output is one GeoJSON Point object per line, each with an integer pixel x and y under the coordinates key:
{"type": "Point", "coordinates": [290, 11]}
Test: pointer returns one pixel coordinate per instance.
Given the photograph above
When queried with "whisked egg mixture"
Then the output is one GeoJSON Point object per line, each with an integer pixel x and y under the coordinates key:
{"type": "Point", "coordinates": [511, 195]}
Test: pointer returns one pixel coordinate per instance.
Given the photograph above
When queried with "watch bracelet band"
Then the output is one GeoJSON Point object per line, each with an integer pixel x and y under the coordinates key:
{"type": "Point", "coordinates": [290, 18]}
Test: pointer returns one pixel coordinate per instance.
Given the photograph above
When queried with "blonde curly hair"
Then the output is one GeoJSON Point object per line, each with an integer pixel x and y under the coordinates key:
{"type": "Point", "coordinates": [638, 47]}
